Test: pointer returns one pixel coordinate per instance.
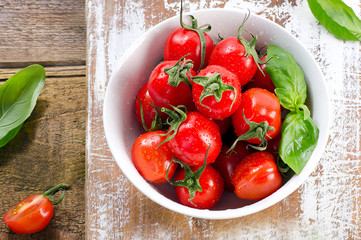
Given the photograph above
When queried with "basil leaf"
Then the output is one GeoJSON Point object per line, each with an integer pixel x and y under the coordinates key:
{"type": "Point", "coordinates": [287, 76]}
{"type": "Point", "coordinates": [299, 139]}
{"type": "Point", "coordinates": [299, 132]}
{"type": "Point", "coordinates": [10, 136]}
{"type": "Point", "coordinates": [338, 18]}
{"type": "Point", "coordinates": [18, 97]}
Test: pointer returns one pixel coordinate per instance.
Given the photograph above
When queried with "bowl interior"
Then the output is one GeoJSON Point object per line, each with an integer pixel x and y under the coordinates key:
{"type": "Point", "coordinates": [122, 128]}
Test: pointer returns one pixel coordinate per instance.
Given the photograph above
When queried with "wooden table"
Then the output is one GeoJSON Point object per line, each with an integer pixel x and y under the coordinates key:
{"type": "Point", "coordinates": [326, 206]}
{"type": "Point", "coordinates": [50, 148]}
{"type": "Point", "coordinates": [56, 145]}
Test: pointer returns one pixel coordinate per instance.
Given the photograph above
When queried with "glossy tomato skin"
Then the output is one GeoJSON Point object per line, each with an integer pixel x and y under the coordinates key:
{"type": "Point", "coordinates": [258, 105]}
{"type": "Point", "coordinates": [195, 135]}
{"type": "Point", "coordinates": [230, 53]}
{"type": "Point", "coordinates": [183, 41]}
{"type": "Point", "coordinates": [226, 163]}
{"type": "Point", "coordinates": [152, 160]}
{"type": "Point", "coordinates": [212, 189]}
{"type": "Point", "coordinates": [30, 215]}
{"type": "Point", "coordinates": [256, 176]}
{"type": "Point", "coordinates": [224, 108]}
{"type": "Point", "coordinates": [149, 112]}
{"type": "Point", "coordinates": [164, 94]}
{"type": "Point", "coordinates": [262, 80]}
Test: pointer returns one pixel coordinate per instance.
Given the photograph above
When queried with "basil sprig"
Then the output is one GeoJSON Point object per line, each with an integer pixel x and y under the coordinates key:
{"type": "Point", "coordinates": [338, 18]}
{"type": "Point", "coordinates": [299, 132]}
{"type": "Point", "coordinates": [18, 97]}
{"type": "Point", "coordinates": [299, 139]}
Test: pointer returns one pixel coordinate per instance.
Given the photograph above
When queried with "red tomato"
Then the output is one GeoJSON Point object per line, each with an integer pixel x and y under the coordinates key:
{"type": "Point", "coordinates": [183, 41]}
{"type": "Point", "coordinates": [152, 160]}
{"type": "Point", "coordinates": [262, 80]}
{"type": "Point", "coordinates": [194, 136]}
{"type": "Point", "coordinates": [226, 163]}
{"type": "Point", "coordinates": [149, 113]}
{"type": "Point", "coordinates": [216, 92]}
{"type": "Point", "coordinates": [33, 213]}
{"type": "Point", "coordinates": [30, 215]}
{"type": "Point", "coordinates": [163, 94]}
{"type": "Point", "coordinates": [258, 105]}
{"type": "Point", "coordinates": [256, 176]}
{"type": "Point", "coordinates": [212, 189]}
{"type": "Point", "coordinates": [230, 53]}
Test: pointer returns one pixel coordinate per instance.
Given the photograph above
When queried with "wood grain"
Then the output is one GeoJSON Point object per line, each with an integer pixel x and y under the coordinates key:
{"type": "Point", "coordinates": [44, 32]}
{"type": "Point", "coordinates": [320, 209]}
{"type": "Point", "coordinates": [48, 150]}
{"type": "Point", "coordinates": [62, 71]}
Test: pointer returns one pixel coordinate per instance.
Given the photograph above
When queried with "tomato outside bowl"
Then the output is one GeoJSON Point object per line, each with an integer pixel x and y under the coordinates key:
{"type": "Point", "coordinates": [133, 70]}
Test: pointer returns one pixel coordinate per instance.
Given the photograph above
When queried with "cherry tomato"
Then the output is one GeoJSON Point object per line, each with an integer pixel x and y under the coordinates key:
{"type": "Point", "coordinates": [33, 213]}
{"type": "Point", "coordinates": [152, 159]}
{"type": "Point", "coordinates": [30, 215]}
{"type": "Point", "coordinates": [216, 92]}
{"type": "Point", "coordinates": [230, 53]}
{"type": "Point", "coordinates": [149, 113]}
{"type": "Point", "coordinates": [183, 41]}
{"type": "Point", "coordinates": [163, 94]}
{"type": "Point", "coordinates": [256, 176]}
{"type": "Point", "coordinates": [258, 105]}
{"type": "Point", "coordinates": [194, 136]}
{"type": "Point", "coordinates": [212, 186]}
{"type": "Point", "coordinates": [226, 163]}
{"type": "Point", "coordinates": [261, 79]}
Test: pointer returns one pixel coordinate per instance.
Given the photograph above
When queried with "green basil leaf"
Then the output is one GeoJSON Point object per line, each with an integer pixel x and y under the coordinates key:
{"type": "Point", "coordinates": [299, 139]}
{"type": "Point", "coordinates": [338, 18]}
{"type": "Point", "coordinates": [10, 135]}
{"type": "Point", "coordinates": [18, 97]}
{"type": "Point", "coordinates": [299, 132]}
{"type": "Point", "coordinates": [287, 76]}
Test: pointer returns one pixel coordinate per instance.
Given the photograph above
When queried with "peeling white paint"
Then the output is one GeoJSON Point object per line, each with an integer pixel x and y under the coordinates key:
{"type": "Point", "coordinates": [327, 205]}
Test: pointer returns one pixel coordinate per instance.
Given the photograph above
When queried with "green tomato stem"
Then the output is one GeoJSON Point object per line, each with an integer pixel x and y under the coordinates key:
{"type": "Point", "coordinates": [191, 179]}
{"type": "Point", "coordinates": [52, 191]}
{"type": "Point", "coordinates": [157, 123]}
{"type": "Point", "coordinates": [175, 119]}
{"type": "Point", "coordinates": [250, 46]}
{"type": "Point", "coordinates": [256, 130]}
{"type": "Point", "coordinates": [199, 30]}
{"type": "Point", "coordinates": [213, 86]}
{"type": "Point", "coordinates": [178, 72]}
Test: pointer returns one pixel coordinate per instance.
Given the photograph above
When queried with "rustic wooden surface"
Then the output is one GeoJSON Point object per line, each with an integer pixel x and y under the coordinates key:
{"type": "Point", "coordinates": [326, 206]}
{"type": "Point", "coordinates": [47, 32]}
{"type": "Point", "coordinates": [50, 148]}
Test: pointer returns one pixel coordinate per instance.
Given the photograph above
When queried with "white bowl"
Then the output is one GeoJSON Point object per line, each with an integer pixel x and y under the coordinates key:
{"type": "Point", "coordinates": [122, 128]}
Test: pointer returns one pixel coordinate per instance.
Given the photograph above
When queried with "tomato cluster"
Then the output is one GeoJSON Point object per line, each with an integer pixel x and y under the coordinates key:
{"type": "Point", "coordinates": [211, 110]}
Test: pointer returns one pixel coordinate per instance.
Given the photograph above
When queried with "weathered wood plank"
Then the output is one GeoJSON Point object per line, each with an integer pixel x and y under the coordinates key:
{"type": "Point", "coordinates": [45, 32]}
{"type": "Point", "coordinates": [323, 207]}
{"type": "Point", "coordinates": [59, 71]}
{"type": "Point", "coordinates": [48, 150]}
